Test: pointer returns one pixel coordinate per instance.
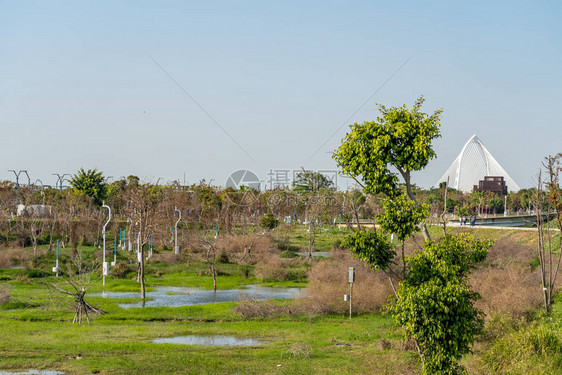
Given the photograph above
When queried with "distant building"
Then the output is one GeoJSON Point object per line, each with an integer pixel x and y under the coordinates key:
{"type": "Point", "coordinates": [34, 210]}
{"type": "Point", "coordinates": [474, 163]}
{"type": "Point", "coordinates": [495, 184]}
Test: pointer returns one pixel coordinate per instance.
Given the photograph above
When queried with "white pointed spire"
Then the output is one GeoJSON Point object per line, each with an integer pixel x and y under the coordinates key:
{"type": "Point", "coordinates": [472, 165]}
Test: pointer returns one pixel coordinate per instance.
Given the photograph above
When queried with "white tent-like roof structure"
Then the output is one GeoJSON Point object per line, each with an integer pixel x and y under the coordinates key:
{"type": "Point", "coordinates": [472, 165]}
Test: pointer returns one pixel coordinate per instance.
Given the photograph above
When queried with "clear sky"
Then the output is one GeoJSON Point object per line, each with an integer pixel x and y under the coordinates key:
{"type": "Point", "coordinates": [78, 87]}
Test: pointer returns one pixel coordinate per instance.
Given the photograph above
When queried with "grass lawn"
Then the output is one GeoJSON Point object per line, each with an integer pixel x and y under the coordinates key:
{"type": "Point", "coordinates": [36, 331]}
{"type": "Point", "coordinates": [41, 337]}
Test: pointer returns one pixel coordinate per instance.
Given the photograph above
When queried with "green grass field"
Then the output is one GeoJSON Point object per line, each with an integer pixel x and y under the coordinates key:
{"type": "Point", "coordinates": [37, 332]}
{"type": "Point", "coordinates": [36, 335]}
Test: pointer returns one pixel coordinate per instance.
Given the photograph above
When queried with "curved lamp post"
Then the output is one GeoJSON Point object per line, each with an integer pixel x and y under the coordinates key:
{"type": "Point", "coordinates": [176, 248]}
{"type": "Point", "coordinates": [105, 264]}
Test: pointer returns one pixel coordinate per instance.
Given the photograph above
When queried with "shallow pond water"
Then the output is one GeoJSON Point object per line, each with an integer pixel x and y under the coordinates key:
{"type": "Point", "coordinates": [209, 341]}
{"type": "Point", "coordinates": [171, 296]}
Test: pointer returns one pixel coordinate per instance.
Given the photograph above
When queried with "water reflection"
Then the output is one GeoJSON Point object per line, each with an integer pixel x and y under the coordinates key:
{"type": "Point", "coordinates": [209, 341]}
{"type": "Point", "coordinates": [178, 296]}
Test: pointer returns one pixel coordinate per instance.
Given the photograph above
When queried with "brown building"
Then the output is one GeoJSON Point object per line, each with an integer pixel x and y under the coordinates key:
{"type": "Point", "coordinates": [495, 184]}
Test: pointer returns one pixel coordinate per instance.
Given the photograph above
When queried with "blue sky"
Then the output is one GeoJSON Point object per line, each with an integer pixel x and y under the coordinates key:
{"type": "Point", "coordinates": [78, 88]}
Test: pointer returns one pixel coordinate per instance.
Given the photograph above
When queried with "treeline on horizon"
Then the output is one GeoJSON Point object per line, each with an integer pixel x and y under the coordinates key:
{"type": "Point", "coordinates": [150, 209]}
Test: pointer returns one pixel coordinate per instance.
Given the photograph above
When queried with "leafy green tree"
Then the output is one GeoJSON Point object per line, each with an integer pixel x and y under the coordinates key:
{"type": "Point", "coordinates": [435, 305]}
{"type": "Point", "coordinates": [402, 217]}
{"type": "Point", "coordinates": [400, 138]}
{"type": "Point", "coordinates": [133, 181]}
{"type": "Point", "coordinates": [268, 221]}
{"type": "Point", "coordinates": [374, 250]}
{"type": "Point", "coordinates": [308, 181]}
{"type": "Point", "coordinates": [496, 203]}
{"type": "Point", "coordinates": [371, 248]}
{"type": "Point", "coordinates": [90, 183]}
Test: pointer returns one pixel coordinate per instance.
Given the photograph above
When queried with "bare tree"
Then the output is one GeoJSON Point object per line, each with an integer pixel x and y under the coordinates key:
{"type": "Point", "coordinates": [548, 198]}
{"type": "Point", "coordinates": [144, 201]}
{"type": "Point", "coordinates": [74, 287]}
{"type": "Point", "coordinates": [211, 252]}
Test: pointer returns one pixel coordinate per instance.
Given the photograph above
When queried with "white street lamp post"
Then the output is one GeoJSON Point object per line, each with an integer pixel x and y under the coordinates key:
{"type": "Point", "coordinates": [176, 248]}
{"type": "Point", "coordinates": [105, 265]}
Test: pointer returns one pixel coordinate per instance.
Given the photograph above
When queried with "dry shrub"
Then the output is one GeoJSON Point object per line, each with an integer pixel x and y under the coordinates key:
{"type": "Point", "coordinates": [407, 345]}
{"type": "Point", "coordinates": [509, 289]}
{"type": "Point", "coordinates": [506, 249]}
{"type": "Point", "coordinates": [299, 350]}
{"type": "Point", "coordinates": [272, 268]}
{"type": "Point", "coordinates": [13, 257]}
{"type": "Point", "coordinates": [507, 282]}
{"type": "Point", "coordinates": [168, 257]}
{"type": "Point", "coordinates": [258, 309]}
{"type": "Point", "coordinates": [246, 248]}
{"type": "Point", "coordinates": [328, 282]}
{"type": "Point", "coordinates": [121, 269]}
{"type": "Point", "coordinates": [277, 268]}
{"type": "Point", "coordinates": [251, 308]}
{"type": "Point", "coordinates": [384, 344]}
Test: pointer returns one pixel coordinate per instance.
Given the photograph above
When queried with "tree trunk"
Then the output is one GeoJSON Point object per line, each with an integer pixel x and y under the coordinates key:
{"type": "Point", "coordinates": [356, 214]}
{"type": "Point", "coordinates": [214, 280]}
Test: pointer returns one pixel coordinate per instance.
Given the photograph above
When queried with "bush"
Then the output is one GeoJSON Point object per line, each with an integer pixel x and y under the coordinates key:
{"type": "Point", "coordinates": [43, 239]}
{"type": "Point", "coordinates": [337, 244]}
{"type": "Point", "coordinates": [288, 254]}
{"type": "Point", "coordinates": [121, 269]}
{"type": "Point", "coordinates": [257, 247]}
{"type": "Point", "coordinates": [271, 268]}
{"type": "Point", "coordinates": [299, 350]}
{"type": "Point", "coordinates": [510, 289]}
{"type": "Point", "coordinates": [12, 257]}
{"type": "Point", "coordinates": [258, 309]}
{"type": "Point", "coordinates": [35, 274]}
{"type": "Point", "coordinates": [245, 271]}
{"type": "Point", "coordinates": [500, 325]}
{"type": "Point", "coordinates": [268, 221]}
{"type": "Point", "coordinates": [297, 275]}
{"type": "Point", "coordinates": [533, 350]}
{"type": "Point", "coordinates": [223, 258]}
{"type": "Point", "coordinates": [251, 308]}
{"type": "Point", "coordinates": [169, 258]}
{"type": "Point", "coordinates": [328, 282]}
{"type": "Point", "coordinates": [434, 304]}
{"type": "Point", "coordinates": [508, 283]}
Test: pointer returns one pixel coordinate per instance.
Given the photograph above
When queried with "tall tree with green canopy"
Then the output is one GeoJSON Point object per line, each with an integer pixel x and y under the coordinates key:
{"type": "Point", "coordinates": [399, 138]}
{"type": "Point", "coordinates": [309, 181]}
{"type": "Point", "coordinates": [90, 183]}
